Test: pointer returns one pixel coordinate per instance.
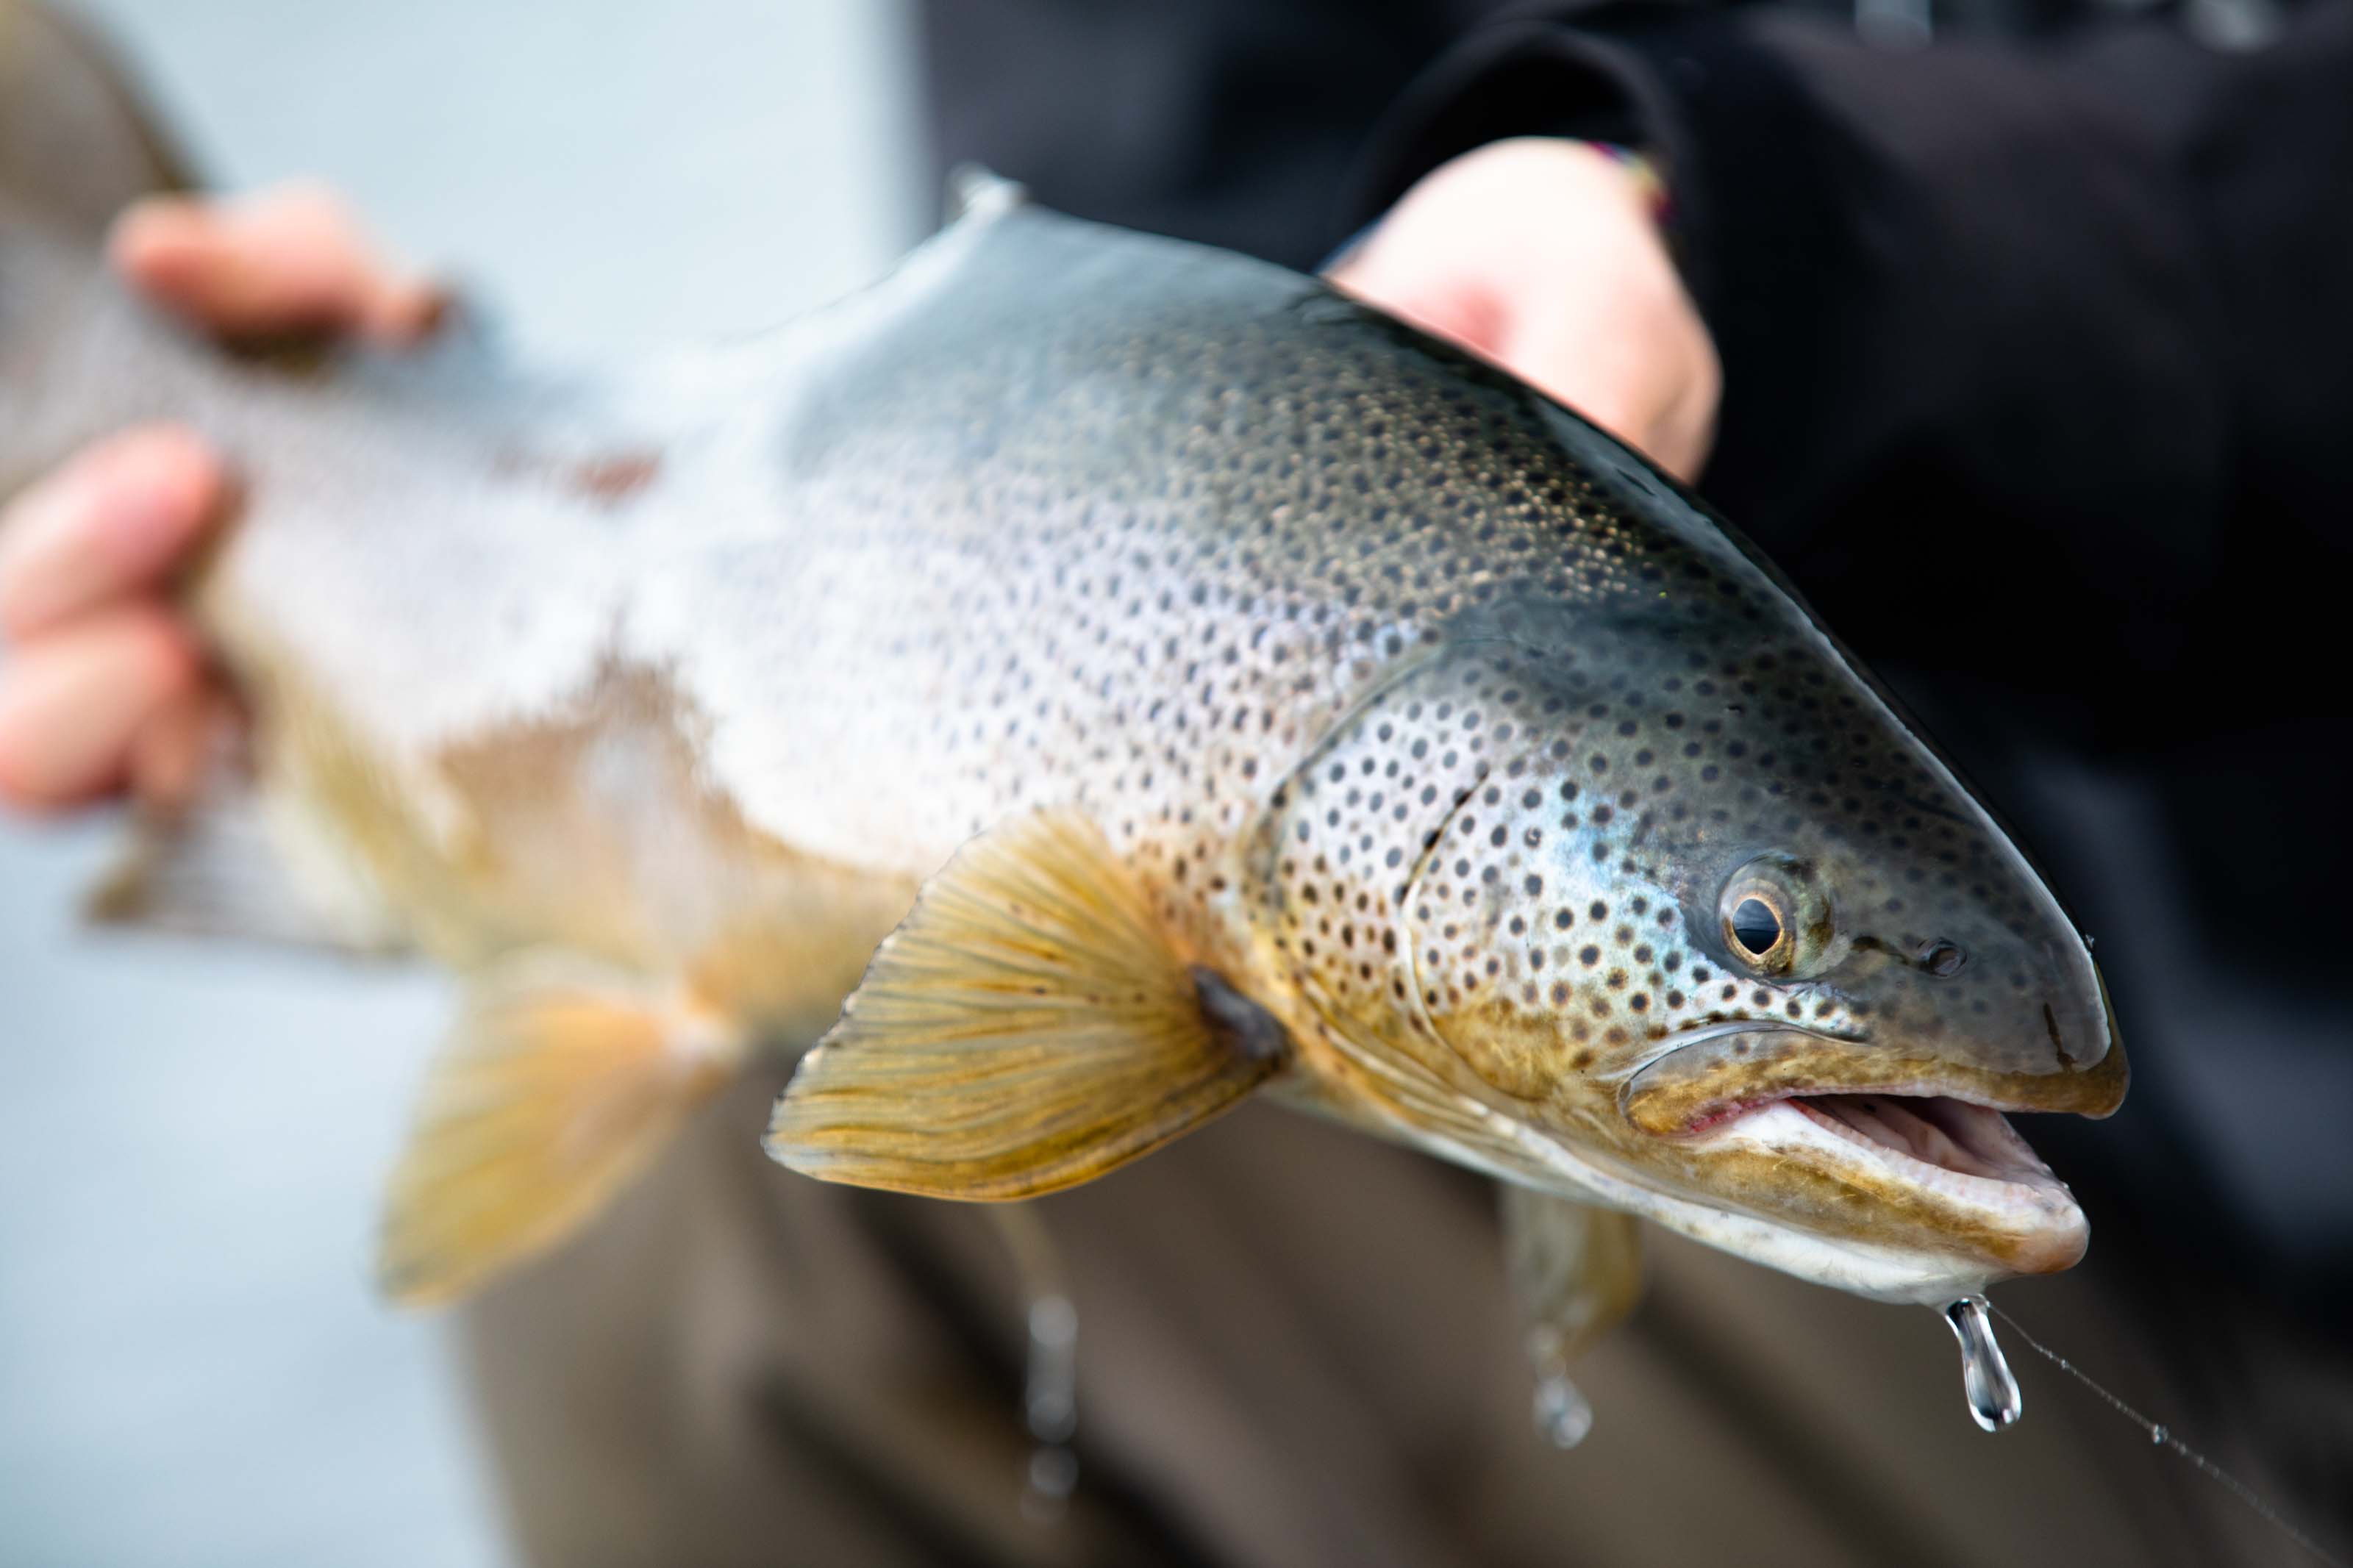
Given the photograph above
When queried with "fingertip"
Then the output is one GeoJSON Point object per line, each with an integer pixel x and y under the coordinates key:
{"type": "Point", "coordinates": [189, 256]}
{"type": "Point", "coordinates": [113, 520]}
{"type": "Point", "coordinates": [72, 704]}
{"type": "Point", "coordinates": [179, 477]}
{"type": "Point", "coordinates": [400, 311]}
{"type": "Point", "coordinates": [313, 265]}
{"type": "Point", "coordinates": [163, 243]}
{"type": "Point", "coordinates": [168, 468]}
{"type": "Point", "coordinates": [292, 258]}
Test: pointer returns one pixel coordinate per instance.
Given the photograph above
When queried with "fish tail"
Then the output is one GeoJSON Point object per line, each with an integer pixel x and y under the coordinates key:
{"type": "Point", "coordinates": [76, 142]}
{"type": "Point", "coordinates": [76, 146]}
{"type": "Point", "coordinates": [561, 1083]}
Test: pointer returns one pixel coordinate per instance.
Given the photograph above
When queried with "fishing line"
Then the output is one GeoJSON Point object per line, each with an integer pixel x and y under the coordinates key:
{"type": "Point", "coordinates": [2160, 1434]}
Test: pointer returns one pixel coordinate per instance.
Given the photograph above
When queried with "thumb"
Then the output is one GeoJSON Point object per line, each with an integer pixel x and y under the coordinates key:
{"type": "Point", "coordinates": [289, 260]}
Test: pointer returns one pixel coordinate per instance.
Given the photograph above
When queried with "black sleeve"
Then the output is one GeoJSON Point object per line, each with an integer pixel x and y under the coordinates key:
{"type": "Point", "coordinates": [2053, 337]}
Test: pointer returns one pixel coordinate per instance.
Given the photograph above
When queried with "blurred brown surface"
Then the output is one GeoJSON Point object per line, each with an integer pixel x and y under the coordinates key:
{"type": "Point", "coordinates": [1295, 1349]}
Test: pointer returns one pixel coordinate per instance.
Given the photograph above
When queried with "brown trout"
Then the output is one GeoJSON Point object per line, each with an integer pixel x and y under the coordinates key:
{"type": "Point", "coordinates": [1133, 676]}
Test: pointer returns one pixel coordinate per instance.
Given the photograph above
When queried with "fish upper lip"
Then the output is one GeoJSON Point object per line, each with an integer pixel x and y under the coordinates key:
{"type": "Point", "coordinates": [1954, 1139]}
{"type": "Point", "coordinates": [1670, 1046]}
{"type": "Point", "coordinates": [1717, 1110]}
{"type": "Point", "coordinates": [1682, 1041]}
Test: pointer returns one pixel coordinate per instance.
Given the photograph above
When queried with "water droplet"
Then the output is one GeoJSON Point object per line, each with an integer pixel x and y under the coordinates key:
{"type": "Point", "coordinates": [2158, 1434]}
{"type": "Point", "coordinates": [1051, 1401]}
{"type": "Point", "coordinates": [1994, 1399]}
{"type": "Point", "coordinates": [1052, 1475]}
{"type": "Point", "coordinates": [1563, 1415]}
{"type": "Point", "coordinates": [1052, 1372]}
{"type": "Point", "coordinates": [1050, 1390]}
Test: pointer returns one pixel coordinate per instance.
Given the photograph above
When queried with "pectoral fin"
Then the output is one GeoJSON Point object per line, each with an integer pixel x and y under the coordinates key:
{"type": "Point", "coordinates": [1030, 1026]}
{"type": "Point", "coordinates": [561, 1083]}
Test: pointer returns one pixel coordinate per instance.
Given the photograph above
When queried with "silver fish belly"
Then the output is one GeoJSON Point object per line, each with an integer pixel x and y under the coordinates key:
{"type": "Point", "coordinates": [1321, 706]}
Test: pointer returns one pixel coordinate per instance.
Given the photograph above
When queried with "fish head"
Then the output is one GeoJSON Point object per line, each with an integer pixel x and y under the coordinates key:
{"type": "Point", "coordinates": [1706, 930]}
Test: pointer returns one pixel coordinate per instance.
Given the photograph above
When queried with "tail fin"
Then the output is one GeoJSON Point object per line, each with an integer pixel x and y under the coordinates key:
{"type": "Point", "coordinates": [76, 147]}
{"type": "Point", "coordinates": [76, 144]}
{"type": "Point", "coordinates": [559, 1085]}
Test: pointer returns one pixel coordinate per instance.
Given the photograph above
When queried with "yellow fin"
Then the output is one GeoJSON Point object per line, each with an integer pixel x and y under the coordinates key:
{"type": "Point", "coordinates": [240, 863]}
{"type": "Point", "coordinates": [1576, 1269]}
{"type": "Point", "coordinates": [1027, 1027]}
{"type": "Point", "coordinates": [560, 1084]}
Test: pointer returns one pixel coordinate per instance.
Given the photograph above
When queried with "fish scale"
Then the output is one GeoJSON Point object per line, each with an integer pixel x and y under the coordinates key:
{"type": "Point", "coordinates": [1079, 682]}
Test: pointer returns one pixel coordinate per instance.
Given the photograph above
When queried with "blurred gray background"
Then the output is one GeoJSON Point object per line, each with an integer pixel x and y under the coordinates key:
{"type": "Point", "coordinates": [192, 1368]}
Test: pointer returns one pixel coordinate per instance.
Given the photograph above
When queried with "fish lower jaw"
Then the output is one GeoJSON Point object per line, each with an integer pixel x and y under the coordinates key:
{"type": "Point", "coordinates": [1960, 1159]}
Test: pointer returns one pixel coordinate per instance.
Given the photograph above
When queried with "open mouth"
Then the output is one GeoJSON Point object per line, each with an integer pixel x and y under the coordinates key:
{"type": "Point", "coordinates": [1900, 1125]}
{"type": "Point", "coordinates": [1844, 1145]}
{"type": "Point", "coordinates": [1937, 1130]}
{"type": "Point", "coordinates": [1965, 1160]}
{"type": "Point", "coordinates": [1929, 1142]}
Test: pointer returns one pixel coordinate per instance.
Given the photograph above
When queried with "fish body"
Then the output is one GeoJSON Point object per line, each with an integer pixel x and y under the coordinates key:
{"type": "Point", "coordinates": [1141, 677]}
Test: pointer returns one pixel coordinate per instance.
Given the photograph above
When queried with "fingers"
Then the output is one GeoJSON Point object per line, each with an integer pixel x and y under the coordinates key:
{"type": "Point", "coordinates": [1645, 370]}
{"type": "Point", "coordinates": [74, 702]}
{"type": "Point", "coordinates": [104, 685]}
{"type": "Point", "coordinates": [289, 260]}
{"type": "Point", "coordinates": [113, 520]}
{"type": "Point", "coordinates": [1543, 256]}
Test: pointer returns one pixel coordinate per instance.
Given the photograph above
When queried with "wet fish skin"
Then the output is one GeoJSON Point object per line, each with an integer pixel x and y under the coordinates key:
{"type": "Point", "coordinates": [1429, 718]}
{"type": "Point", "coordinates": [1353, 540]}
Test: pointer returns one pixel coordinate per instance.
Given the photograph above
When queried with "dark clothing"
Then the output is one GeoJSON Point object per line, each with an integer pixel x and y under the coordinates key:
{"type": "Point", "coordinates": [2035, 377]}
{"type": "Point", "coordinates": [2035, 358]}
{"type": "Point", "coordinates": [2035, 361]}
{"type": "Point", "coordinates": [1295, 1351]}
{"type": "Point", "coordinates": [2033, 355]}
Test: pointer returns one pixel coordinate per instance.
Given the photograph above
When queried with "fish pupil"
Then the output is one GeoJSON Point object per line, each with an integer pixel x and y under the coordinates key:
{"type": "Point", "coordinates": [1756, 927]}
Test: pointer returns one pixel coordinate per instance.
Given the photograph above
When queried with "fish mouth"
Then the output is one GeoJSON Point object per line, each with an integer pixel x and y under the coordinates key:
{"type": "Point", "coordinates": [1939, 1166]}
{"type": "Point", "coordinates": [1934, 1139]}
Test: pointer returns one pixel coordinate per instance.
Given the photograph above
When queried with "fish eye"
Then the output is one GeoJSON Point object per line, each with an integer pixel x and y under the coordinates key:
{"type": "Point", "coordinates": [1775, 918]}
{"type": "Point", "coordinates": [1756, 927]}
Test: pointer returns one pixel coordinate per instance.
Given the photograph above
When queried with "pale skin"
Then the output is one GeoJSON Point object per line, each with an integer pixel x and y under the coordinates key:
{"type": "Point", "coordinates": [1541, 254]}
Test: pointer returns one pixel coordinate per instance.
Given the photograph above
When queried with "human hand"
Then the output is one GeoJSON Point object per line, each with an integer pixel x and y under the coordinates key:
{"type": "Point", "coordinates": [104, 685]}
{"type": "Point", "coordinates": [1543, 256]}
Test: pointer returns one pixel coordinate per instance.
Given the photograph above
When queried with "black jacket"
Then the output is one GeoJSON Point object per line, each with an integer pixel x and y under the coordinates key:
{"type": "Point", "coordinates": [2038, 350]}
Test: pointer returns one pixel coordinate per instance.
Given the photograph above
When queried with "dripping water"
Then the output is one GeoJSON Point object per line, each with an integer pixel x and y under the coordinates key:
{"type": "Point", "coordinates": [1563, 1416]}
{"type": "Point", "coordinates": [1985, 1374]}
{"type": "Point", "coordinates": [1994, 1400]}
{"type": "Point", "coordinates": [1049, 1402]}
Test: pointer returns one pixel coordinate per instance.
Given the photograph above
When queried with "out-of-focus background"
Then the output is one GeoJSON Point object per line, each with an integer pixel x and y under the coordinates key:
{"type": "Point", "coordinates": [194, 1368]}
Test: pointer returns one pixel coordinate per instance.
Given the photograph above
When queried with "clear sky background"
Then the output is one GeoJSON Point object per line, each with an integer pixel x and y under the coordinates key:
{"type": "Point", "coordinates": [192, 1370]}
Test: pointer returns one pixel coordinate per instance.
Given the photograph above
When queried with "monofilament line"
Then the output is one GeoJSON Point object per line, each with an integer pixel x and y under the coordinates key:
{"type": "Point", "coordinates": [2157, 1433]}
